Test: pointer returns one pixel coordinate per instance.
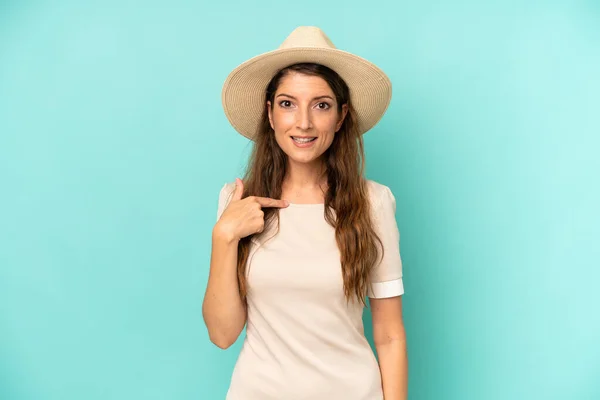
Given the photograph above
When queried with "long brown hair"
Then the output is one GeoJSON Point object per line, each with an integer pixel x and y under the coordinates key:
{"type": "Point", "coordinates": [347, 191]}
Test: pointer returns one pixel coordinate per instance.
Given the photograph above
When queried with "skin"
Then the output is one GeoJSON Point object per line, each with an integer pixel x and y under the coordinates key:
{"type": "Point", "coordinates": [390, 343]}
{"type": "Point", "coordinates": [306, 106]}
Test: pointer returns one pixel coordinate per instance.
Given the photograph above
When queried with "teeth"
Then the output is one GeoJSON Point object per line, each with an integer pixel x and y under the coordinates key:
{"type": "Point", "coordinates": [301, 140]}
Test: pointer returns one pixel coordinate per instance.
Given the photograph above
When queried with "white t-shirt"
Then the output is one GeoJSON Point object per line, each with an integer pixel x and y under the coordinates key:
{"type": "Point", "coordinates": [303, 340]}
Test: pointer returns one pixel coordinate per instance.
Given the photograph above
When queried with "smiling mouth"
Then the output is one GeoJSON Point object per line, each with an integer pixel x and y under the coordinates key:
{"type": "Point", "coordinates": [303, 140]}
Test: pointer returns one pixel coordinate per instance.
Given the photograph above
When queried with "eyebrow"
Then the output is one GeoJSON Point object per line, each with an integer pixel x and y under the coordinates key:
{"type": "Point", "coordinates": [315, 98]}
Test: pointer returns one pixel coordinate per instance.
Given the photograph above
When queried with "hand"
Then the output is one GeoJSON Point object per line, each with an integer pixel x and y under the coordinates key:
{"type": "Point", "coordinates": [244, 217]}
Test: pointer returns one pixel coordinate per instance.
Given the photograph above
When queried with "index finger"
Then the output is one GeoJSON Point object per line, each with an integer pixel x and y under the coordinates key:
{"type": "Point", "coordinates": [269, 202]}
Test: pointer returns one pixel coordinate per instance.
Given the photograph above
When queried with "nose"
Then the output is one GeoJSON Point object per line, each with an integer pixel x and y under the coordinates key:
{"type": "Point", "coordinates": [304, 120]}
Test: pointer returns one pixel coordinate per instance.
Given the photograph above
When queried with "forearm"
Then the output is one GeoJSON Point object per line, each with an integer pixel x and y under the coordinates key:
{"type": "Point", "coordinates": [223, 310]}
{"type": "Point", "coordinates": [393, 363]}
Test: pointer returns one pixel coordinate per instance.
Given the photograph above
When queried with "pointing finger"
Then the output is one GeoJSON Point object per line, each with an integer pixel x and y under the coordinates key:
{"type": "Point", "coordinates": [269, 202]}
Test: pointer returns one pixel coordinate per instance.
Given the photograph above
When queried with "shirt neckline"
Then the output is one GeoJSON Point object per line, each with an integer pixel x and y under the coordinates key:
{"type": "Point", "coordinates": [304, 205]}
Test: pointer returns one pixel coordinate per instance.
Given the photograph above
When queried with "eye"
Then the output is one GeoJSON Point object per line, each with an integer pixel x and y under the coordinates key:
{"type": "Point", "coordinates": [325, 105]}
{"type": "Point", "coordinates": [281, 103]}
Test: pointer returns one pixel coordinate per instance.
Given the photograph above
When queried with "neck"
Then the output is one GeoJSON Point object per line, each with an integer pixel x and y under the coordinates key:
{"type": "Point", "coordinates": [301, 176]}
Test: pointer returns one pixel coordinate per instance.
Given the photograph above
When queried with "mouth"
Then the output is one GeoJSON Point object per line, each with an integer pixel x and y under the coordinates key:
{"type": "Point", "coordinates": [303, 140]}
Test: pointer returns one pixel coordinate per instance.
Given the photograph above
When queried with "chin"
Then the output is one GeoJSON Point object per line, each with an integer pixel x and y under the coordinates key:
{"type": "Point", "coordinates": [302, 159]}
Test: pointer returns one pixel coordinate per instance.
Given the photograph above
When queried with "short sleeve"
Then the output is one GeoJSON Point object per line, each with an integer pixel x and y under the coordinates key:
{"type": "Point", "coordinates": [386, 277]}
{"type": "Point", "coordinates": [224, 198]}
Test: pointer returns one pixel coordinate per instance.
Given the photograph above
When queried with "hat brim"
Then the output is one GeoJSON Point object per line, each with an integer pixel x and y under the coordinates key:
{"type": "Point", "coordinates": [243, 93]}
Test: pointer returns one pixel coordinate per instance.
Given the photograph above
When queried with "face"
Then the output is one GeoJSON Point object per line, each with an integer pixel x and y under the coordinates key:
{"type": "Point", "coordinates": [304, 107]}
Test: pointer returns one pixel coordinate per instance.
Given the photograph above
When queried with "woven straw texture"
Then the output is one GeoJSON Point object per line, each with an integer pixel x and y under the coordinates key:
{"type": "Point", "coordinates": [243, 94]}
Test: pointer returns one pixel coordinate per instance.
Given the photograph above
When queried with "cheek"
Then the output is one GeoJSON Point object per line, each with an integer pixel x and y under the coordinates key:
{"type": "Point", "coordinates": [327, 125]}
{"type": "Point", "coordinates": [283, 121]}
{"type": "Point", "coordinates": [328, 140]}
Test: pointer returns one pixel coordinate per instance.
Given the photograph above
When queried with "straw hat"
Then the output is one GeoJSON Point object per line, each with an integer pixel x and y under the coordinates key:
{"type": "Point", "coordinates": [243, 94]}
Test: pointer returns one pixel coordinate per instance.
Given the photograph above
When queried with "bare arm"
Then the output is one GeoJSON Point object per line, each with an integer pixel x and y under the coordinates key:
{"type": "Point", "coordinates": [390, 342]}
{"type": "Point", "coordinates": [223, 310]}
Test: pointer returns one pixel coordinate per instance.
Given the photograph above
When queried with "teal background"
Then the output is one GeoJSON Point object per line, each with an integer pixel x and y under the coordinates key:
{"type": "Point", "coordinates": [113, 147]}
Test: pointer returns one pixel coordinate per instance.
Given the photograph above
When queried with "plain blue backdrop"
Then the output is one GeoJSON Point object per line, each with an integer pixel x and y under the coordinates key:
{"type": "Point", "coordinates": [114, 146]}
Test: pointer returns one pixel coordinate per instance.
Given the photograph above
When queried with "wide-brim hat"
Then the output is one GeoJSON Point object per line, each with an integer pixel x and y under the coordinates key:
{"type": "Point", "coordinates": [243, 94]}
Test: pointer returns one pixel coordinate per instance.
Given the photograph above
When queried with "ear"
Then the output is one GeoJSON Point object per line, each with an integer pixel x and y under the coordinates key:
{"type": "Point", "coordinates": [270, 114]}
{"type": "Point", "coordinates": [341, 121]}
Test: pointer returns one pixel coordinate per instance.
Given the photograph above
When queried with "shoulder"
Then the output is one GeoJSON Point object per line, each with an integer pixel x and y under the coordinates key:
{"type": "Point", "coordinates": [226, 192]}
{"type": "Point", "coordinates": [225, 195]}
{"type": "Point", "coordinates": [376, 187]}
{"type": "Point", "coordinates": [379, 193]}
{"type": "Point", "coordinates": [228, 188]}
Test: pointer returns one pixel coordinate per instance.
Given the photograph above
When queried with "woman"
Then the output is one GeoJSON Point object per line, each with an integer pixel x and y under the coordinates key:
{"type": "Point", "coordinates": [304, 237]}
